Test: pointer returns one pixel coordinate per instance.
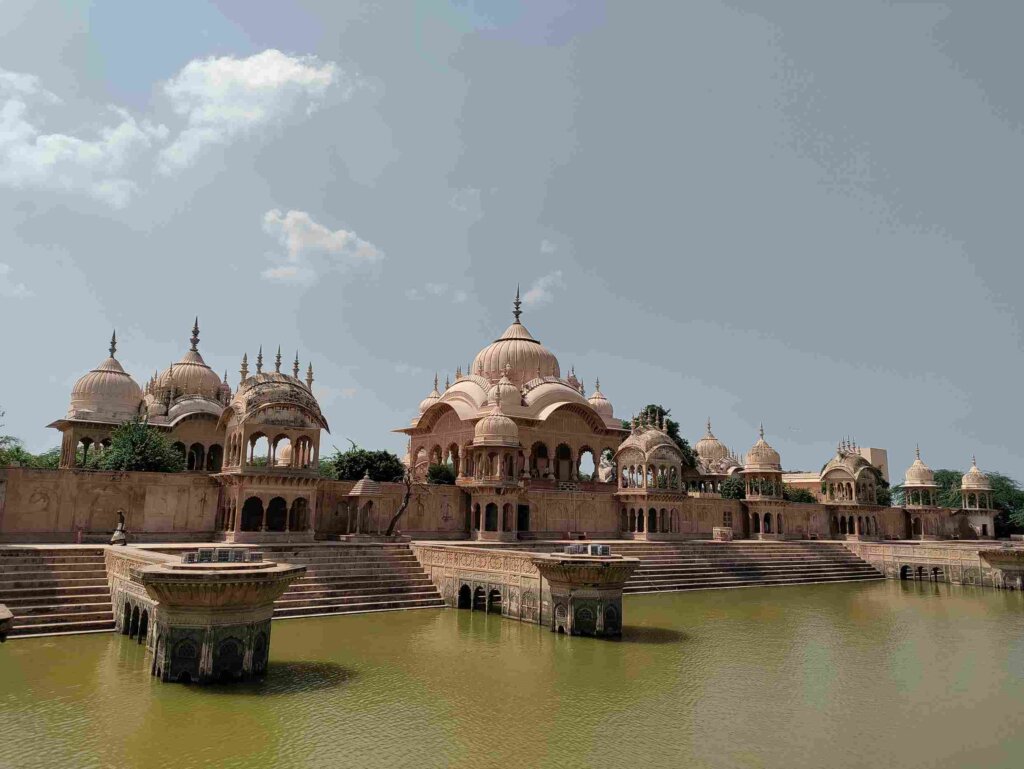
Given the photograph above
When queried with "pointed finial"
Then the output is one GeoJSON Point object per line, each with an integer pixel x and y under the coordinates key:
{"type": "Point", "coordinates": [259, 361]}
{"type": "Point", "coordinates": [597, 384]}
{"type": "Point", "coordinates": [225, 376]}
{"type": "Point", "coordinates": [277, 360]}
{"type": "Point", "coordinates": [458, 373]}
{"type": "Point", "coordinates": [113, 343]}
{"type": "Point", "coordinates": [295, 365]}
{"type": "Point", "coordinates": [447, 383]}
{"type": "Point", "coordinates": [709, 424]}
{"type": "Point", "coordinates": [517, 305]}
{"type": "Point", "coordinates": [917, 450]}
{"type": "Point", "coordinates": [309, 376]}
{"type": "Point", "coordinates": [760, 430]}
{"type": "Point", "coordinates": [974, 461]}
{"type": "Point", "coordinates": [435, 381]}
{"type": "Point", "coordinates": [244, 371]}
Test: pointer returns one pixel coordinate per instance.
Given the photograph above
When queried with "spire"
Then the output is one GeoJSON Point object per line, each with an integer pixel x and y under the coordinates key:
{"type": "Point", "coordinates": [244, 371]}
{"type": "Point", "coordinates": [517, 305]}
{"type": "Point", "coordinates": [309, 376]}
{"type": "Point", "coordinates": [435, 380]}
{"type": "Point", "coordinates": [277, 360]}
{"type": "Point", "coordinates": [597, 385]}
{"type": "Point", "coordinates": [760, 431]}
{"type": "Point", "coordinates": [113, 343]}
{"type": "Point", "coordinates": [259, 361]}
{"type": "Point", "coordinates": [917, 450]}
{"type": "Point", "coordinates": [195, 335]}
{"type": "Point", "coordinates": [447, 383]}
{"type": "Point", "coordinates": [458, 373]}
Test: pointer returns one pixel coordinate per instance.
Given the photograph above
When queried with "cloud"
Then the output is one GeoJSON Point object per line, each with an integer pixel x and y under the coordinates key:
{"type": "Point", "coordinates": [224, 98]}
{"type": "Point", "coordinates": [457, 296]}
{"type": "Point", "coordinates": [10, 289]}
{"type": "Point", "coordinates": [547, 247]}
{"type": "Point", "coordinates": [467, 200]}
{"type": "Point", "coordinates": [542, 290]}
{"type": "Point", "coordinates": [311, 247]}
{"type": "Point", "coordinates": [98, 163]}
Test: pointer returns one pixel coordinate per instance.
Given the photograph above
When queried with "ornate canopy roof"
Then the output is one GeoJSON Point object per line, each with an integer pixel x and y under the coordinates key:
{"type": "Point", "coordinates": [919, 475]}
{"type": "Point", "coordinates": [107, 393]}
{"type": "Point", "coordinates": [762, 457]}
{"type": "Point", "coordinates": [525, 357]}
{"type": "Point", "coordinates": [974, 479]}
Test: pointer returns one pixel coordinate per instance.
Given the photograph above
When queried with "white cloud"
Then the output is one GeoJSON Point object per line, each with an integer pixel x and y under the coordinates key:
{"type": "Point", "coordinates": [10, 289]}
{"type": "Point", "coordinates": [98, 163]}
{"type": "Point", "coordinates": [542, 290]}
{"type": "Point", "coordinates": [224, 98]}
{"type": "Point", "coordinates": [547, 247]}
{"type": "Point", "coordinates": [311, 248]}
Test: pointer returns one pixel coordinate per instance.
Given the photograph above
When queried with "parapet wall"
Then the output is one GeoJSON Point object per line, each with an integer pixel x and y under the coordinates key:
{"type": "Point", "coordinates": [959, 564]}
{"type": "Point", "coordinates": [54, 505]}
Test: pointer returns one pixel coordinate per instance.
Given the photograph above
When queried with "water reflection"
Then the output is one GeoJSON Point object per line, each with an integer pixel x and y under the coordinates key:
{"type": "Point", "coordinates": [632, 634]}
{"type": "Point", "coordinates": [286, 677]}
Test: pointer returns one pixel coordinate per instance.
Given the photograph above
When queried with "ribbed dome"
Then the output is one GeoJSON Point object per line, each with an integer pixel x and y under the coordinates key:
{"type": "Point", "coordinates": [106, 392]}
{"type": "Point", "coordinates": [600, 404]}
{"type": "Point", "coordinates": [762, 456]}
{"type": "Point", "coordinates": [919, 474]}
{"type": "Point", "coordinates": [191, 375]}
{"type": "Point", "coordinates": [365, 487]}
{"type": "Point", "coordinates": [284, 456]}
{"type": "Point", "coordinates": [496, 429]}
{"type": "Point", "coordinates": [647, 439]}
{"type": "Point", "coordinates": [974, 479]}
{"type": "Point", "coordinates": [709, 448]}
{"type": "Point", "coordinates": [431, 399]}
{"type": "Point", "coordinates": [526, 358]}
{"type": "Point", "coordinates": [504, 393]}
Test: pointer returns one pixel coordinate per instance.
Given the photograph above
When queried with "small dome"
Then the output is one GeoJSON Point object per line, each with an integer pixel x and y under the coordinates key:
{"type": "Point", "coordinates": [191, 375]}
{"type": "Point", "coordinates": [365, 487]}
{"type": "Point", "coordinates": [284, 456]}
{"type": "Point", "coordinates": [225, 389]}
{"type": "Point", "coordinates": [496, 429]}
{"type": "Point", "coordinates": [431, 399]}
{"type": "Point", "coordinates": [525, 357]}
{"type": "Point", "coordinates": [974, 479]}
{"type": "Point", "coordinates": [504, 393]}
{"type": "Point", "coordinates": [709, 448]}
{"type": "Point", "coordinates": [762, 456]}
{"type": "Point", "coordinates": [107, 392]}
{"type": "Point", "coordinates": [919, 474]}
{"type": "Point", "coordinates": [600, 404]}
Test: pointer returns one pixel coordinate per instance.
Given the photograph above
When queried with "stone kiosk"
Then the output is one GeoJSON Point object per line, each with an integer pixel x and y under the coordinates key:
{"type": "Point", "coordinates": [213, 618]}
{"type": "Point", "coordinates": [586, 590]}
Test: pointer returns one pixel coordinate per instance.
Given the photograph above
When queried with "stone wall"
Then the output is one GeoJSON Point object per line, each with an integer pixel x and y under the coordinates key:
{"type": "Point", "coordinates": [524, 594]}
{"type": "Point", "coordinates": [437, 512]}
{"type": "Point", "coordinates": [960, 564]}
{"type": "Point", "coordinates": [126, 591]}
{"type": "Point", "coordinates": [53, 505]}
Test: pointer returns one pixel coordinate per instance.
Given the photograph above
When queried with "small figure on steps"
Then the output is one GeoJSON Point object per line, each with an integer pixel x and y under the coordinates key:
{"type": "Point", "coordinates": [119, 536]}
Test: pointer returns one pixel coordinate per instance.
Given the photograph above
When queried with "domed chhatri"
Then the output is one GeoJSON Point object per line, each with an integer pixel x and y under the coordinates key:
{"type": "Point", "coordinates": [433, 397]}
{"type": "Point", "coordinates": [190, 376]}
{"type": "Point", "coordinates": [919, 486]}
{"type": "Point", "coordinates": [976, 489]}
{"type": "Point", "coordinates": [107, 393]}
{"type": "Point", "coordinates": [709, 449]}
{"type": "Point", "coordinates": [762, 473]}
{"type": "Point", "coordinates": [598, 402]}
{"type": "Point", "coordinates": [504, 393]}
{"type": "Point", "coordinates": [526, 358]}
{"type": "Point", "coordinates": [496, 429]}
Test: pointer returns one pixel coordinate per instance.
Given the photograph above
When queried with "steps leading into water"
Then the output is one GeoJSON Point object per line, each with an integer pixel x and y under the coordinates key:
{"type": "Point", "coordinates": [55, 590]}
{"type": "Point", "coordinates": [676, 566]}
{"type": "Point", "coordinates": [349, 578]}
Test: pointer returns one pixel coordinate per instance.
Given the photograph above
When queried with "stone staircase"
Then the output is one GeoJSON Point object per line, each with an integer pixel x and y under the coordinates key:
{"type": "Point", "coordinates": [673, 566]}
{"type": "Point", "coordinates": [347, 578]}
{"type": "Point", "coordinates": [55, 590]}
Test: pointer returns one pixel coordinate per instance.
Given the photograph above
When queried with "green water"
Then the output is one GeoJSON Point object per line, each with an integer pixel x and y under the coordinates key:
{"type": "Point", "coordinates": [882, 674]}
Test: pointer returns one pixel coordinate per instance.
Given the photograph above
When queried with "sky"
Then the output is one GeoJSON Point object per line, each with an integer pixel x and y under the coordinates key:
{"type": "Point", "coordinates": [801, 214]}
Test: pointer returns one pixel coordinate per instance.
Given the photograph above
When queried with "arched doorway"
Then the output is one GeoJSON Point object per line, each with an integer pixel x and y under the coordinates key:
{"type": "Point", "coordinates": [479, 600]}
{"type": "Point", "coordinates": [298, 516]}
{"type": "Point", "coordinates": [494, 602]}
{"type": "Point", "coordinates": [215, 458]}
{"type": "Point", "coordinates": [252, 514]}
{"type": "Point", "coordinates": [277, 514]}
{"type": "Point", "coordinates": [143, 625]}
{"type": "Point", "coordinates": [491, 517]}
{"type": "Point", "coordinates": [465, 597]}
{"type": "Point", "coordinates": [918, 530]}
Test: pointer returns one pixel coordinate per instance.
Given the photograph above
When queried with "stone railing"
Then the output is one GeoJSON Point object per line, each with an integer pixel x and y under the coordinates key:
{"type": "Point", "coordinates": [127, 593]}
{"type": "Point", "coordinates": [961, 564]}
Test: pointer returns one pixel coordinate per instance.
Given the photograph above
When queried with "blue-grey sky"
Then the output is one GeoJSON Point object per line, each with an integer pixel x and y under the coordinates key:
{"type": "Point", "coordinates": [801, 213]}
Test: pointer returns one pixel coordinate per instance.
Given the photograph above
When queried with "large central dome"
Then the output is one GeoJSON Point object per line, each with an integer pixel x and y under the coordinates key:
{"type": "Point", "coordinates": [527, 358]}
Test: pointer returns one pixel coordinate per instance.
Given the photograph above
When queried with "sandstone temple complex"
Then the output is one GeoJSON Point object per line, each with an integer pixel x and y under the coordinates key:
{"type": "Point", "coordinates": [538, 462]}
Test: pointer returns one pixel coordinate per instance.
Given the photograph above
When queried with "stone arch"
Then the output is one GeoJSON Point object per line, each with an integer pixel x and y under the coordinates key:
{"type": "Point", "coordinates": [563, 462]}
{"type": "Point", "coordinates": [277, 514]}
{"type": "Point", "coordinates": [252, 514]}
{"type": "Point", "coordinates": [465, 597]}
{"type": "Point", "coordinates": [491, 517]}
{"type": "Point", "coordinates": [143, 625]}
{"type": "Point", "coordinates": [195, 460]}
{"type": "Point", "coordinates": [479, 599]}
{"type": "Point", "coordinates": [133, 629]}
{"type": "Point", "coordinates": [228, 659]}
{"type": "Point", "coordinates": [298, 515]}
{"type": "Point", "coordinates": [282, 452]}
{"type": "Point", "coordinates": [506, 517]}
{"type": "Point", "coordinates": [494, 601]}
{"type": "Point", "coordinates": [259, 449]}
{"type": "Point", "coordinates": [767, 523]}
{"type": "Point", "coordinates": [215, 458]}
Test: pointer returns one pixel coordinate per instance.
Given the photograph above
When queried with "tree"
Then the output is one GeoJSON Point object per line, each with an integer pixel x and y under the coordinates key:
{"type": "Point", "coordinates": [441, 475]}
{"type": "Point", "coordinates": [733, 487]}
{"type": "Point", "coordinates": [410, 482]}
{"type": "Point", "coordinates": [791, 494]}
{"type": "Point", "coordinates": [654, 413]}
{"type": "Point", "coordinates": [352, 465]}
{"type": "Point", "coordinates": [883, 495]}
{"type": "Point", "coordinates": [135, 446]}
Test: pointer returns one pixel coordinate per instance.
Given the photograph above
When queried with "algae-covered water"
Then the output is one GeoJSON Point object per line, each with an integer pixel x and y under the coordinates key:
{"type": "Point", "coordinates": [848, 675]}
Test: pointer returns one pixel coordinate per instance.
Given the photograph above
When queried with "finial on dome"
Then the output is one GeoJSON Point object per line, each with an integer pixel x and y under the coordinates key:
{"type": "Point", "coordinates": [917, 450]}
{"type": "Point", "coordinates": [195, 335]}
{"type": "Point", "coordinates": [309, 376]}
{"type": "Point", "coordinates": [295, 365]}
{"type": "Point", "coordinates": [435, 381]}
{"type": "Point", "coordinates": [259, 361]}
{"type": "Point", "coordinates": [760, 431]}
{"type": "Point", "coordinates": [974, 461]}
{"type": "Point", "coordinates": [458, 373]}
{"type": "Point", "coordinates": [517, 305]}
{"type": "Point", "coordinates": [277, 360]}
{"type": "Point", "coordinates": [113, 343]}
{"type": "Point", "coordinates": [244, 371]}
{"type": "Point", "coordinates": [447, 383]}
{"type": "Point", "coordinates": [597, 384]}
